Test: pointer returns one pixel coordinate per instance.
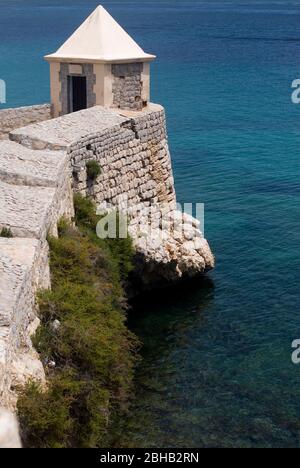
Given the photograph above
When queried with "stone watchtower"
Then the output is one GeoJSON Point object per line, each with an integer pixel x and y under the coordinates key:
{"type": "Point", "coordinates": [100, 64]}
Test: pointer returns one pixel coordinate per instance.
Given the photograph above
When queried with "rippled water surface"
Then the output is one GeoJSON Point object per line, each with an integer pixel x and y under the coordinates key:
{"type": "Point", "coordinates": [216, 367]}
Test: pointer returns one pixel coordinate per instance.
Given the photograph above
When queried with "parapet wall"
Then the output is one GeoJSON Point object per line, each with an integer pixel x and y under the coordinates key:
{"type": "Point", "coordinates": [134, 160]}
{"type": "Point", "coordinates": [23, 270]}
{"type": "Point", "coordinates": [10, 119]}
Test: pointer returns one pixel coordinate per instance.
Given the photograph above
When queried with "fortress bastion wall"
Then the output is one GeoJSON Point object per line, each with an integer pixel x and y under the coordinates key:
{"type": "Point", "coordinates": [40, 167]}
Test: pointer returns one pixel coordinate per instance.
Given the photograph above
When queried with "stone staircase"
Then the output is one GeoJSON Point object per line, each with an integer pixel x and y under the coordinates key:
{"type": "Point", "coordinates": [35, 192]}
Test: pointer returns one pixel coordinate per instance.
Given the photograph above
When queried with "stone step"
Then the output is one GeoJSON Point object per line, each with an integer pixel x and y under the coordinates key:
{"type": "Point", "coordinates": [22, 166]}
{"type": "Point", "coordinates": [10, 119]}
{"type": "Point", "coordinates": [58, 134]}
{"type": "Point", "coordinates": [27, 211]}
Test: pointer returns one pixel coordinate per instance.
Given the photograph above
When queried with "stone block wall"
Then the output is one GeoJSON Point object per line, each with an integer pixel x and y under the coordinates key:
{"type": "Point", "coordinates": [23, 270]}
{"type": "Point", "coordinates": [10, 119]}
{"type": "Point", "coordinates": [134, 159]}
{"type": "Point", "coordinates": [35, 190]}
{"type": "Point", "coordinates": [131, 149]}
{"type": "Point", "coordinates": [127, 86]}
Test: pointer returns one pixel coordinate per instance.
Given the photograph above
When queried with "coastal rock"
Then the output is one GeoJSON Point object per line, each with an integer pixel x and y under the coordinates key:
{"type": "Point", "coordinates": [163, 257]}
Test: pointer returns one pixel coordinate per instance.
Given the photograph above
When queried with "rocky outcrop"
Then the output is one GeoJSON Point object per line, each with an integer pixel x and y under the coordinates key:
{"type": "Point", "coordinates": [169, 248]}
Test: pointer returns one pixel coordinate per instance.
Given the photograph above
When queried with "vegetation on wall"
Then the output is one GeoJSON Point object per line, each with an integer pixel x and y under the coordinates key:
{"type": "Point", "coordinates": [88, 352]}
{"type": "Point", "coordinates": [6, 232]}
{"type": "Point", "coordinates": [93, 170]}
{"type": "Point", "coordinates": [121, 249]}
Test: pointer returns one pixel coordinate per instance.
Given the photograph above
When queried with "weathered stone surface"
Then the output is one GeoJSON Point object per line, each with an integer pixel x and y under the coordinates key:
{"type": "Point", "coordinates": [134, 158]}
{"type": "Point", "coordinates": [22, 166]}
{"type": "Point", "coordinates": [59, 133]}
{"type": "Point", "coordinates": [127, 86]}
{"type": "Point", "coordinates": [10, 119]}
{"type": "Point", "coordinates": [166, 256]}
{"type": "Point", "coordinates": [23, 269]}
{"type": "Point", "coordinates": [26, 210]}
{"type": "Point", "coordinates": [35, 192]}
{"type": "Point", "coordinates": [9, 430]}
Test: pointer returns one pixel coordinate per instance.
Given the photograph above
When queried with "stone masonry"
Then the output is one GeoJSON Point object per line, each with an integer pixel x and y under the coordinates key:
{"type": "Point", "coordinates": [127, 86]}
{"type": "Point", "coordinates": [10, 119]}
{"type": "Point", "coordinates": [23, 270]}
{"type": "Point", "coordinates": [35, 192]}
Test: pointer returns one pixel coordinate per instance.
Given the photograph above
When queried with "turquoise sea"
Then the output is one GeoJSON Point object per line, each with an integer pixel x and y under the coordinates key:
{"type": "Point", "coordinates": [216, 367]}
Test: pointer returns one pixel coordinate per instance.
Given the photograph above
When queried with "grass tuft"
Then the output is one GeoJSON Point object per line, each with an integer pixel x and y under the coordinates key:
{"type": "Point", "coordinates": [93, 170]}
{"type": "Point", "coordinates": [6, 232]}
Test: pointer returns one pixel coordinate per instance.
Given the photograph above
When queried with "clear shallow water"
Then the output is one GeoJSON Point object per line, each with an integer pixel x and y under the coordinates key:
{"type": "Point", "coordinates": [217, 369]}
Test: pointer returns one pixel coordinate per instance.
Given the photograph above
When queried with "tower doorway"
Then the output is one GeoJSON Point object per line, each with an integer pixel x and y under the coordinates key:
{"type": "Point", "coordinates": [77, 93]}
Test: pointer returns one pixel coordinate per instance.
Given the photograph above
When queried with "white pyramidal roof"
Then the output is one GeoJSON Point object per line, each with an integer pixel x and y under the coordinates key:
{"type": "Point", "coordinates": [100, 39]}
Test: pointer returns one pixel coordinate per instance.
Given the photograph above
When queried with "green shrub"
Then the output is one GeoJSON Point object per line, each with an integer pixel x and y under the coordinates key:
{"type": "Point", "coordinates": [89, 388]}
{"type": "Point", "coordinates": [85, 213]}
{"type": "Point", "coordinates": [63, 226]}
{"type": "Point", "coordinates": [121, 248]}
{"type": "Point", "coordinates": [93, 169]}
{"type": "Point", "coordinates": [6, 232]}
{"type": "Point", "coordinates": [46, 416]}
{"type": "Point", "coordinates": [122, 251]}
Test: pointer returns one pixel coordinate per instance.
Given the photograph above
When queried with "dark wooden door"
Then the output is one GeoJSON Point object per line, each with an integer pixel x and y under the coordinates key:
{"type": "Point", "coordinates": [78, 93]}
